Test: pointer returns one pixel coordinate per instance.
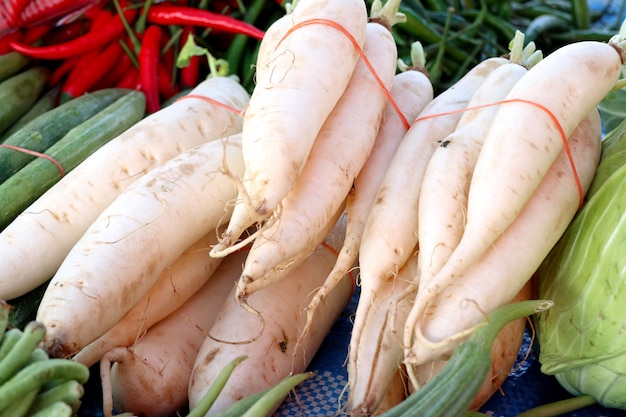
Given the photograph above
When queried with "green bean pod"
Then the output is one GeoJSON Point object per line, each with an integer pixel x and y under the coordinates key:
{"type": "Point", "coordinates": [264, 405]}
{"type": "Point", "coordinates": [70, 392]}
{"type": "Point", "coordinates": [38, 355]}
{"type": "Point", "coordinates": [5, 310]}
{"type": "Point", "coordinates": [35, 375]}
{"type": "Point", "coordinates": [214, 390]}
{"type": "Point", "coordinates": [9, 340]}
{"type": "Point", "coordinates": [20, 353]}
{"type": "Point", "coordinates": [58, 409]}
{"type": "Point", "coordinates": [240, 407]}
{"type": "Point", "coordinates": [20, 406]}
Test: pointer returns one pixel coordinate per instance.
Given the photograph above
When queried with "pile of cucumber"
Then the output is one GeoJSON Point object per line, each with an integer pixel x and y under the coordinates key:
{"type": "Point", "coordinates": [23, 94]}
{"type": "Point", "coordinates": [42, 140]}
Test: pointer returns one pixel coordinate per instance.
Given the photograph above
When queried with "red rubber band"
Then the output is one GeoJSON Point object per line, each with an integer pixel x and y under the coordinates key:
{"type": "Point", "coordinates": [337, 26]}
{"type": "Point", "coordinates": [212, 101]}
{"type": "Point", "coordinates": [551, 115]}
{"type": "Point", "coordinates": [37, 154]}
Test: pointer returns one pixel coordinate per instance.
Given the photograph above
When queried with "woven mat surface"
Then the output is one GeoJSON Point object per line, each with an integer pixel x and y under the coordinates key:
{"type": "Point", "coordinates": [526, 387]}
{"type": "Point", "coordinates": [324, 394]}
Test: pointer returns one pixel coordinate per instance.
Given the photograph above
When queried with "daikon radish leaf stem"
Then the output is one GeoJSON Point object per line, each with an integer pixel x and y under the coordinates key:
{"type": "Point", "coordinates": [558, 408]}
{"type": "Point", "coordinates": [207, 401]}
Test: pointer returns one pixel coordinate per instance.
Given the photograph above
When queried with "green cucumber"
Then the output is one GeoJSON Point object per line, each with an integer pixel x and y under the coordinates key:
{"type": "Point", "coordinates": [5, 309]}
{"type": "Point", "coordinates": [41, 133]}
{"type": "Point", "coordinates": [30, 182]}
{"type": "Point", "coordinates": [24, 308]}
{"type": "Point", "coordinates": [18, 94]}
{"type": "Point", "coordinates": [11, 63]}
{"type": "Point", "coordinates": [452, 390]}
{"type": "Point", "coordinates": [175, 97]}
{"type": "Point", "coordinates": [46, 102]}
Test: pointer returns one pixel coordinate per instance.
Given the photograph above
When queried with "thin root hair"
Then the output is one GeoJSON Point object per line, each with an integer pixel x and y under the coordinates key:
{"type": "Point", "coordinates": [341, 409]}
{"type": "Point", "coordinates": [141, 226]}
{"type": "Point", "coordinates": [281, 77]}
{"type": "Point", "coordinates": [393, 311]}
{"type": "Point", "coordinates": [237, 180]}
{"type": "Point", "coordinates": [142, 330]}
{"type": "Point", "coordinates": [241, 299]}
{"type": "Point", "coordinates": [530, 345]}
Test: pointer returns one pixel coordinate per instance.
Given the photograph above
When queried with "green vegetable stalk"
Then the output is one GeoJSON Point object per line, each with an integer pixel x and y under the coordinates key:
{"type": "Point", "coordinates": [451, 391]}
{"type": "Point", "coordinates": [583, 336]}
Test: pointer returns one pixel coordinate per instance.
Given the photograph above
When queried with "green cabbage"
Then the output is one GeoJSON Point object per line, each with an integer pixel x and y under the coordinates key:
{"type": "Point", "coordinates": [582, 338]}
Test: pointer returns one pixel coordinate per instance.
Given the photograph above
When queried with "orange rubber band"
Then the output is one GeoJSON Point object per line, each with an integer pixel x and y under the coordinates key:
{"type": "Point", "coordinates": [212, 101]}
{"type": "Point", "coordinates": [37, 154]}
{"type": "Point", "coordinates": [551, 115]}
{"type": "Point", "coordinates": [343, 30]}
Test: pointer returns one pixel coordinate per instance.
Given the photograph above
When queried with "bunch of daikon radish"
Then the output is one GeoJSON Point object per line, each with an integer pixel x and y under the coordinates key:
{"type": "Point", "coordinates": [229, 224]}
{"type": "Point", "coordinates": [480, 188]}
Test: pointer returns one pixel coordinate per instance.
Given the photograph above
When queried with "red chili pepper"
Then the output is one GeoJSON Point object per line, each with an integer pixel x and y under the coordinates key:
{"type": "Point", "coordinates": [167, 14]}
{"type": "Point", "coordinates": [67, 32]}
{"type": "Point", "coordinates": [81, 62]}
{"type": "Point", "coordinates": [167, 87]}
{"type": "Point", "coordinates": [224, 5]}
{"type": "Point", "coordinates": [101, 19]}
{"type": "Point", "coordinates": [116, 73]}
{"type": "Point", "coordinates": [34, 33]}
{"type": "Point", "coordinates": [167, 67]}
{"type": "Point", "coordinates": [94, 39]}
{"type": "Point", "coordinates": [45, 11]}
{"type": "Point", "coordinates": [5, 41]}
{"type": "Point", "coordinates": [189, 74]}
{"type": "Point", "coordinates": [90, 74]}
{"type": "Point", "coordinates": [63, 70]}
{"type": "Point", "coordinates": [148, 66]}
{"type": "Point", "coordinates": [130, 80]}
{"type": "Point", "coordinates": [168, 57]}
{"type": "Point", "coordinates": [92, 11]}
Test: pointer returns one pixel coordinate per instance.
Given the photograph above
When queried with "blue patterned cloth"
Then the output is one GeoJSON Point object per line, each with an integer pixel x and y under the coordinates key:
{"type": "Point", "coordinates": [320, 396]}
{"type": "Point", "coordinates": [324, 394]}
{"type": "Point", "coordinates": [525, 388]}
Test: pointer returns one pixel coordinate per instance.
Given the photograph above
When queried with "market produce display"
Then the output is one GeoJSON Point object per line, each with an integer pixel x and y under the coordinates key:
{"type": "Point", "coordinates": [192, 195]}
